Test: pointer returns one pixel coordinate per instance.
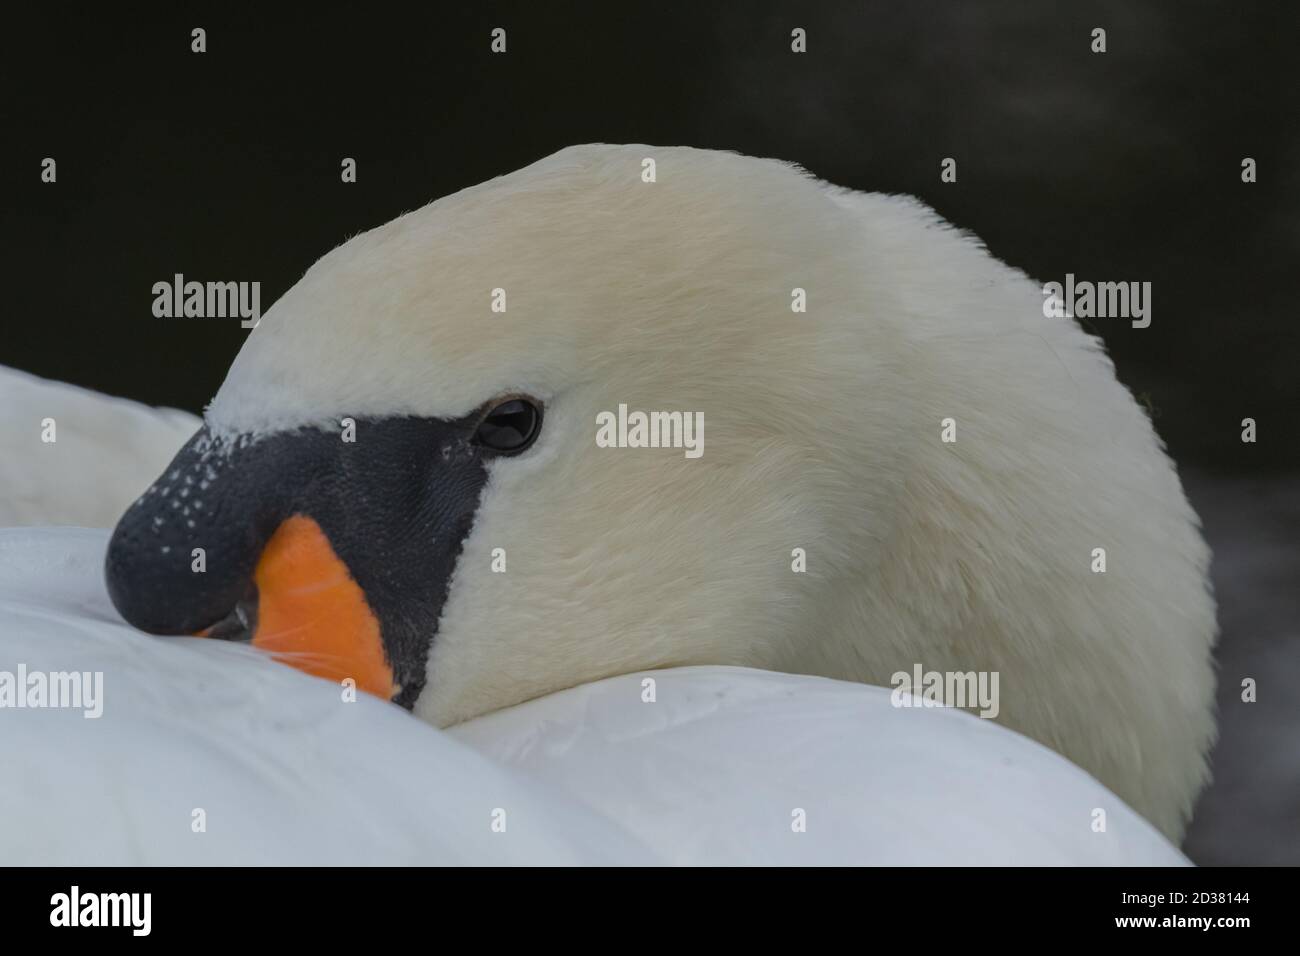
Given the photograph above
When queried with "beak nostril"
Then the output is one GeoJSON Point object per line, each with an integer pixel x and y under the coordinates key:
{"type": "Point", "coordinates": [240, 624]}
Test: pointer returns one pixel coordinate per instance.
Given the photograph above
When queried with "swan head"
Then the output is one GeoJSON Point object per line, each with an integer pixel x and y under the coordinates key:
{"type": "Point", "coordinates": [424, 471]}
{"type": "Point", "coordinates": [412, 475]}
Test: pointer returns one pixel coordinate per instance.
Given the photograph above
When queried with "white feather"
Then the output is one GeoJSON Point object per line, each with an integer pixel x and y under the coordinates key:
{"type": "Point", "coordinates": [286, 772]}
{"type": "Point", "coordinates": [104, 452]}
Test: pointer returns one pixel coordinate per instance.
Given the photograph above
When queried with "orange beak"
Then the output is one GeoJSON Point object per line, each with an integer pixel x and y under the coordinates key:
{"type": "Point", "coordinates": [333, 557]}
{"type": "Point", "coordinates": [312, 615]}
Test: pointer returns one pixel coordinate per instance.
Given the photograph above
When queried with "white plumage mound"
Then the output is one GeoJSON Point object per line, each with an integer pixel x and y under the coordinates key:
{"type": "Point", "coordinates": [104, 451]}
{"type": "Point", "coordinates": [286, 772]}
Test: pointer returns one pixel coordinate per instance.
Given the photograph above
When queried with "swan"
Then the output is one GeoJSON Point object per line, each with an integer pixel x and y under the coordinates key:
{"type": "Point", "coordinates": [206, 752]}
{"type": "Point", "coordinates": [907, 464]}
{"type": "Point", "coordinates": [76, 457]}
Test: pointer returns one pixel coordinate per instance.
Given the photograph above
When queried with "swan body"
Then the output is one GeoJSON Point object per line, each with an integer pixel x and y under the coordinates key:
{"type": "Point", "coordinates": [205, 752]}
{"type": "Point", "coordinates": [75, 457]}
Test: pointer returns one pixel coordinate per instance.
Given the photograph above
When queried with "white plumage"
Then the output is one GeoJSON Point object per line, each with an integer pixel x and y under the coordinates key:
{"type": "Point", "coordinates": [104, 451]}
{"type": "Point", "coordinates": [285, 771]}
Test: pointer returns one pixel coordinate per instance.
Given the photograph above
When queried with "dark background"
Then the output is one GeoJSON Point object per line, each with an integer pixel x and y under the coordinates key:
{"type": "Point", "coordinates": [1117, 166]}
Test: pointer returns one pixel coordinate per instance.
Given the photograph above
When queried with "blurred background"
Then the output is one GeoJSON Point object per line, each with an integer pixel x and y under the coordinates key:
{"type": "Point", "coordinates": [1117, 166]}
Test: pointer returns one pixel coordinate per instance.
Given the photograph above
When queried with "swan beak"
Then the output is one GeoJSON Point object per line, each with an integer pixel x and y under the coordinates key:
{"type": "Point", "coordinates": [333, 556]}
{"type": "Point", "coordinates": [306, 610]}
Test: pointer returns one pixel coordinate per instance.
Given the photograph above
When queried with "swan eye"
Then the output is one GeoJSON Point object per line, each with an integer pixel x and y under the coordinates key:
{"type": "Point", "coordinates": [510, 427]}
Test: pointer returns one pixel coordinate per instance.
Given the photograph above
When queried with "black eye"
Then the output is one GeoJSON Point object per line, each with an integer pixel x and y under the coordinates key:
{"type": "Point", "coordinates": [510, 427]}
